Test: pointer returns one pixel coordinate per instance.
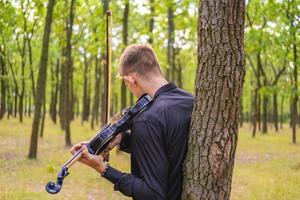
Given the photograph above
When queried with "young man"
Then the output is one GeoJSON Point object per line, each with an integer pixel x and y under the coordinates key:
{"type": "Point", "coordinates": [159, 135]}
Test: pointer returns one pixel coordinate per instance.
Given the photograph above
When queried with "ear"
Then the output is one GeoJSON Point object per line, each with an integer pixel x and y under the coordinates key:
{"type": "Point", "coordinates": [130, 79]}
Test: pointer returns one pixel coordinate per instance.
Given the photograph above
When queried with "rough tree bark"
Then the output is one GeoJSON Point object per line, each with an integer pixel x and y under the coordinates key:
{"type": "Point", "coordinates": [41, 82]}
{"type": "Point", "coordinates": [220, 76]}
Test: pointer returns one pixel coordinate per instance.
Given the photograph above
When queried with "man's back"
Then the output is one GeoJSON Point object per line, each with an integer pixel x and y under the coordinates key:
{"type": "Point", "coordinates": [159, 141]}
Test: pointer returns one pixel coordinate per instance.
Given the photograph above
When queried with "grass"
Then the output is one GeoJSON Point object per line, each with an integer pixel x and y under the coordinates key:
{"type": "Point", "coordinates": [267, 167]}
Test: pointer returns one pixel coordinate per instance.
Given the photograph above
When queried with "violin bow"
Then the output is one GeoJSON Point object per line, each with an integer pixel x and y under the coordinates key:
{"type": "Point", "coordinates": [108, 65]}
{"type": "Point", "coordinates": [52, 187]}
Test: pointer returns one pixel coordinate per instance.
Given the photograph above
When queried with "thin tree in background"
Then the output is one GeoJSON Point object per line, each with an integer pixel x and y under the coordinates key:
{"type": "Point", "coordinates": [125, 39]}
{"type": "Point", "coordinates": [291, 15]}
{"type": "Point", "coordinates": [170, 47]}
{"type": "Point", "coordinates": [4, 85]}
{"type": "Point", "coordinates": [41, 82]}
{"type": "Point", "coordinates": [54, 90]}
{"type": "Point", "coordinates": [220, 77]}
{"type": "Point", "coordinates": [22, 50]}
{"type": "Point", "coordinates": [151, 22]}
{"type": "Point", "coordinates": [66, 74]}
{"type": "Point", "coordinates": [86, 93]}
{"type": "Point", "coordinates": [96, 58]}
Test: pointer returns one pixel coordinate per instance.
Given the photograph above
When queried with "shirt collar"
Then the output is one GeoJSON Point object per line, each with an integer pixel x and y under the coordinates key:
{"type": "Point", "coordinates": [164, 88]}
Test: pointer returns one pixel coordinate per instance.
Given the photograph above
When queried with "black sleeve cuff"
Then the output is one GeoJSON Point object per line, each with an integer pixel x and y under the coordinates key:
{"type": "Point", "coordinates": [112, 174]}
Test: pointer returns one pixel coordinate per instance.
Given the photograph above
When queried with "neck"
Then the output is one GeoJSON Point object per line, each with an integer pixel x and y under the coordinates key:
{"type": "Point", "coordinates": [151, 86]}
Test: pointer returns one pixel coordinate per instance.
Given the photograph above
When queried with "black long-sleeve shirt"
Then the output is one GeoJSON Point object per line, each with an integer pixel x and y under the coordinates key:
{"type": "Point", "coordinates": [158, 144]}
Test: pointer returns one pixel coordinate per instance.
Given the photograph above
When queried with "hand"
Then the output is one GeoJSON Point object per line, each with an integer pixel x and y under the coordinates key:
{"type": "Point", "coordinates": [94, 161]}
{"type": "Point", "coordinates": [114, 142]}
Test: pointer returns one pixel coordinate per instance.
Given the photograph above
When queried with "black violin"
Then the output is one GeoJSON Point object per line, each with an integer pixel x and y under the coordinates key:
{"type": "Point", "coordinates": [99, 143]}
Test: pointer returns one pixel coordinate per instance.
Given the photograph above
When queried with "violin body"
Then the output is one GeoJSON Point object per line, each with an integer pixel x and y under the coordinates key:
{"type": "Point", "coordinates": [99, 143]}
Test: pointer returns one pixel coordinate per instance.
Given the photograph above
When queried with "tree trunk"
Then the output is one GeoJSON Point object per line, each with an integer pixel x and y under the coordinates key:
{"type": "Point", "coordinates": [295, 70]}
{"type": "Point", "coordinates": [25, 103]}
{"type": "Point", "coordinates": [29, 106]}
{"type": "Point", "coordinates": [43, 119]}
{"type": "Point", "coordinates": [9, 103]}
{"type": "Point", "coordinates": [54, 92]}
{"type": "Point", "coordinates": [275, 112]}
{"type": "Point", "coordinates": [62, 94]}
{"type": "Point", "coordinates": [41, 83]}
{"type": "Point", "coordinates": [255, 113]}
{"type": "Point", "coordinates": [151, 23]}
{"type": "Point", "coordinates": [179, 74]}
{"type": "Point", "coordinates": [66, 80]}
{"type": "Point", "coordinates": [259, 112]}
{"type": "Point", "coordinates": [125, 38]}
{"type": "Point", "coordinates": [3, 87]}
{"type": "Point", "coordinates": [265, 114]}
{"type": "Point", "coordinates": [170, 47]}
{"type": "Point", "coordinates": [96, 103]}
{"type": "Point", "coordinates": [220, 77]}
{"type": "Point", "coordinates": [31, 64]}
{"type": "Point", "coordinates": [241, 112]}
{"type": "Point", "coordinates": [281, 112]}
{"type": "Point", "coordinates": [16, 95]}
{"type": "Point", "coordinates": [84, 114]}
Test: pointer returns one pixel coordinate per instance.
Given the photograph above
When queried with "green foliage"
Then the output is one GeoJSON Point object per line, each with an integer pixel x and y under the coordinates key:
{"type": "Point", "coordinates": [268, 36]}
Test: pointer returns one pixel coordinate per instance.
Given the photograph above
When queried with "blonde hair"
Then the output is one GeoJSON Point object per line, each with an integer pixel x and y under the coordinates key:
{"type": "Point", "coordinates": [139, 58]}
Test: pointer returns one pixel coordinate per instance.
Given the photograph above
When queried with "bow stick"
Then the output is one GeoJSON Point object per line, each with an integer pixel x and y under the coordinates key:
{"type": "Point", "coordinates": [108, 65]}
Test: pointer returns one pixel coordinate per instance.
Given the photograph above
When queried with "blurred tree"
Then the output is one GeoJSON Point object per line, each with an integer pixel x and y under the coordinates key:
{"type": "Point", "coordinates": [41, 83]}
{"type": "Point", "coordinates": [125, 42]}
{"type": "Point", "coordinates": [66, 73]}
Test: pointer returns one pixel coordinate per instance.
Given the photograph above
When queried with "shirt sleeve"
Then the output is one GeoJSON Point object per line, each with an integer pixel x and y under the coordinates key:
{"type": "Point", "coordinates": [130, 185]}
{"type": "Point", "coordinates": [152, 161]}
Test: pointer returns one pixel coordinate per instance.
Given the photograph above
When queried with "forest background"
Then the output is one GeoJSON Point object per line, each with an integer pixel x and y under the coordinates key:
{"type": "Point", "coordinates": [267, 162]}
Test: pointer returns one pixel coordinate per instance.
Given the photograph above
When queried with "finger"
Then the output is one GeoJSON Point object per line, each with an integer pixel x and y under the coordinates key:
{"type": "Point", "coordinates": [113, 143]}
{"type": "Point", "coordinates": [85, 153]}
{"type": "Point", "coordinates": [105, 155]}
{"type": "Point", "coordinates": [110, 146]}
{"type": "Point", "coordinates": [76, 147]}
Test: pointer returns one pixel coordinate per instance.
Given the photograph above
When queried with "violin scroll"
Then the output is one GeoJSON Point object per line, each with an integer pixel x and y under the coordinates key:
{"type": "Point", "coordinates": [54, 188]}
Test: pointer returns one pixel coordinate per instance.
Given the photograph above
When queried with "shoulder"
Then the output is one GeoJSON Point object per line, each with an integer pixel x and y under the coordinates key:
{"type": "Point", "coordinates": [165, 104]}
